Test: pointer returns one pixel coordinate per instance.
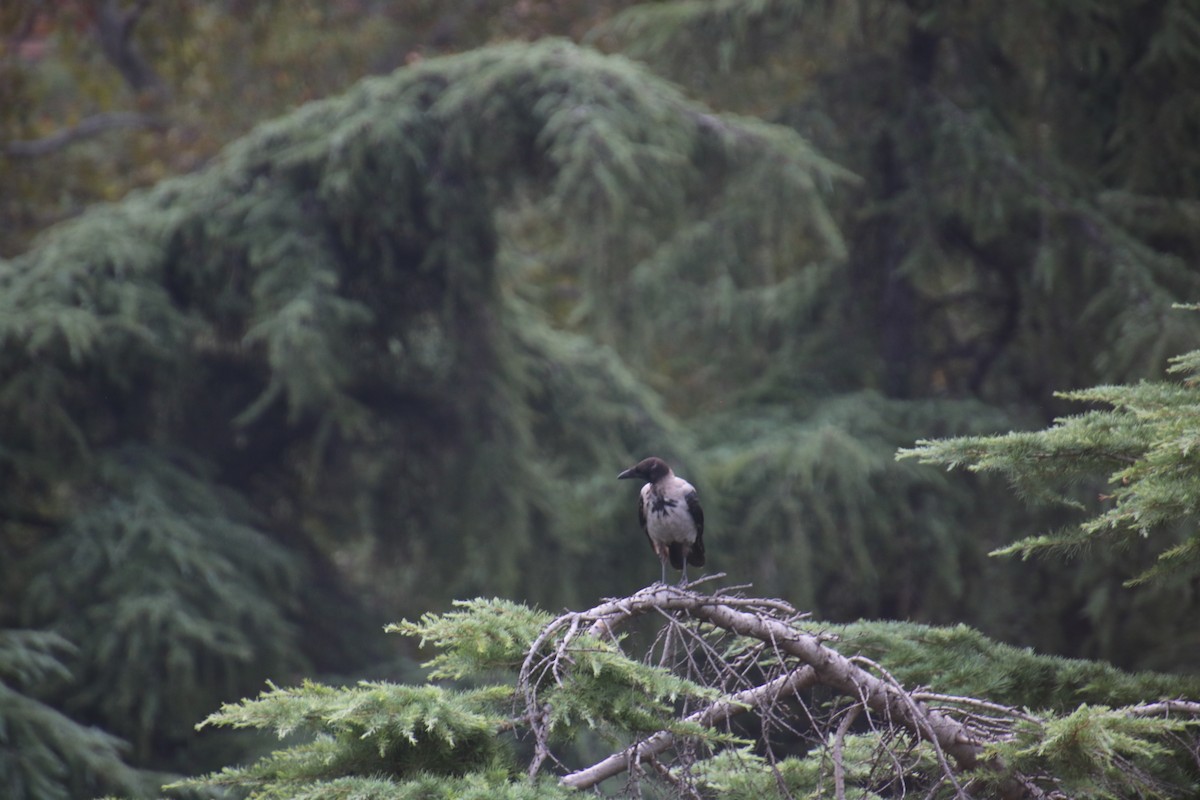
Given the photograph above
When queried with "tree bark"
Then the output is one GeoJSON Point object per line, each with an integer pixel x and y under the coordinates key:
{"type": "Point", "coordinates": [114, 31]}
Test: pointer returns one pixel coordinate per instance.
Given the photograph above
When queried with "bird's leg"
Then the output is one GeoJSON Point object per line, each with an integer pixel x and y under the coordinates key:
{"type": "Point", "coordinates": [683, 579]}
{"type": "Point", "coordinates": [662, 562]}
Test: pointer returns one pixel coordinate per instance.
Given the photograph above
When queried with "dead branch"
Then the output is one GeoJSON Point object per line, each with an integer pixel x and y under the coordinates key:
{"type": "Point", "coordinates": [114, 32]}
{"type": "Point", "coordinates": [782, 687]}
{"type": "Point", "coordinates": [839, 768]}
{"type": "Point", "coordinates": [787, 659]}
{"type": "Point", "coordinates": [1184, 708]}
{"type": "Point", "coordinates": [684, 789]}
{"type": "Point", "coordinates": [975, 702]}
{"type": "Point", "coordinates": [89, 127]}
{"type": "Point", "coordinates": [832, 668]}
{"type": "Point", "coordinates": [920, 715]}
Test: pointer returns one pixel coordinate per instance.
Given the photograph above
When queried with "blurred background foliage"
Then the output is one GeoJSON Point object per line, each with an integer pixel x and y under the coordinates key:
{"type": "Point", "coordinates": [391, 348]}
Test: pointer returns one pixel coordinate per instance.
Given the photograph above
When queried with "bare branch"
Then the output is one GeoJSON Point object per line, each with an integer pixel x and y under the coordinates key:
{"type": "Point", "coordinates": [839, 768]}
{"type": "Point", "coordinates": [920, 716]}
{"type": "Point", "coordinates": [114, 31]}
{"type": "Point", "coordinates": [683, 788]}
{"type": "Point", "coordinates": [710, 715]}
{"type": "Point", "coordinates": [722, 652]}
{"type": "Point", "coordinates": [975, 702]}
{"type": "Point", "coordinates": [832, 668]}
{"type": "Point", "coordinates": [89, 127]}
{"type": "Point", "coordinates": [1165, 708]}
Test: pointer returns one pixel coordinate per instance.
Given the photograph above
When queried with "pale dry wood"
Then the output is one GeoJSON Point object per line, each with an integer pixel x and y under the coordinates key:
{"type": "Point", "coordinates": [782, 687]}
{"type": "Point", "coordinates": [954, 730]}
{"type": "Point", "coordinates": [831, 667]}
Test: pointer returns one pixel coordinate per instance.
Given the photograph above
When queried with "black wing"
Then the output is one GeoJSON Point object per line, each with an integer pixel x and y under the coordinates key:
{"type": "Point", "coordinates": [696, 553]}
{"type": "Point", "coordinates": [642, 520]}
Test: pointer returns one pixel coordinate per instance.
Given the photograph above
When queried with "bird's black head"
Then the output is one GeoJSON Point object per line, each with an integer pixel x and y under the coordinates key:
{"type": "Point", "coordinates": [650, 470]}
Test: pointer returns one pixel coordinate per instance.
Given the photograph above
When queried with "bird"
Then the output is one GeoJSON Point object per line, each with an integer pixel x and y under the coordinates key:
{"type": "Point", "coordinates": [670, 513]}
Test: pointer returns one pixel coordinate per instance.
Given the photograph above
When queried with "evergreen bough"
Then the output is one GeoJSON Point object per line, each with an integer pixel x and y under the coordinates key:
{"type": "Point", "coordinates": [517, 703]}
{"type": "Point", "coordinates": [1143, 445]}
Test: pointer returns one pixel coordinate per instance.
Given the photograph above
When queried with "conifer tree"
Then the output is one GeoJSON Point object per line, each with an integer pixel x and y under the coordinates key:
{"type": "Point", "coordinates": [1140, 440]}
{"type": "Point", "coordinates": [1019, 227]}
{"type": "Point", "coordinates": [878, 709]}
{"type": "Point", "coordinates": [44, 753]}
{"type": "Point", "coordinates": [392, 345]}
{"type": "Point", "coordinates": [213, 391]}
{"type": "Point", "coordinates": [510, 689]}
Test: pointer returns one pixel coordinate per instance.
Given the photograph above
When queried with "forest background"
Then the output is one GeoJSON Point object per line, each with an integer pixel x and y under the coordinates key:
{"type": "Point", "coordinates": [390, 349]}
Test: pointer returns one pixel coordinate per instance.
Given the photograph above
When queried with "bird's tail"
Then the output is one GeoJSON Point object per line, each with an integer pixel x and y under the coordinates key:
{"type": "Point", "coordinates": [693, 553]}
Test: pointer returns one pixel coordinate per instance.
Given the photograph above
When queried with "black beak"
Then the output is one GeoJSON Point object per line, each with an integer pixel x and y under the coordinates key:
{"type": "Point", "coordinates": [629, 473]}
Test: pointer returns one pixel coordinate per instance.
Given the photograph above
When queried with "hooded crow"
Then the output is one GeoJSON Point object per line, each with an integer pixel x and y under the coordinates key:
{"type": "Point", "coordinates": [670, 514]}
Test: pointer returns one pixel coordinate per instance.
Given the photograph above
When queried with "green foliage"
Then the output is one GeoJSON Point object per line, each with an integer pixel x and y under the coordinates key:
{"type": "Point", "coordinates": [1002, 211]}
{"type": "Point", "coordinates": [1000, 243]}
{"type": "Point", "coordinates": [619, 696]}
{"type": "Point", "coordinates": [211, 72]}
{"type": "Point", "coordinates": [318, 343]}
{"type": "Point", "coordinates": [408, 334]}
{"type": "Point", "coordinates": [484, 635]}
{"type": "Point", "coordinates": [372, 728]}
{"type": "Point", "coordinates": [30, 657]}
{"type": "Point", "coordinates": [45, 755]}
{"type": "Point", "coordinates": [960, 660]}
{"type": "Point", "coordinates": [419, 787]}
{"type": "Point", "coordinates": [1143, 444]}
{"type": "Point", "coordinates": [274, 317]}
{"type": "Point", "coordinates": [607, 690]}
{"type": "Point", "coordinates": [405, 735]}
{"type": "Point", "coordinates": [1090, 732]}
{"type": "Point", "coordinates": [816, 485]}
{"type": "Point", "coordinates": [745, 775]}
{"type": "Point", "coordinates": [161, 562]}
{"type": "Point", "coordinates": [1099, 752]}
